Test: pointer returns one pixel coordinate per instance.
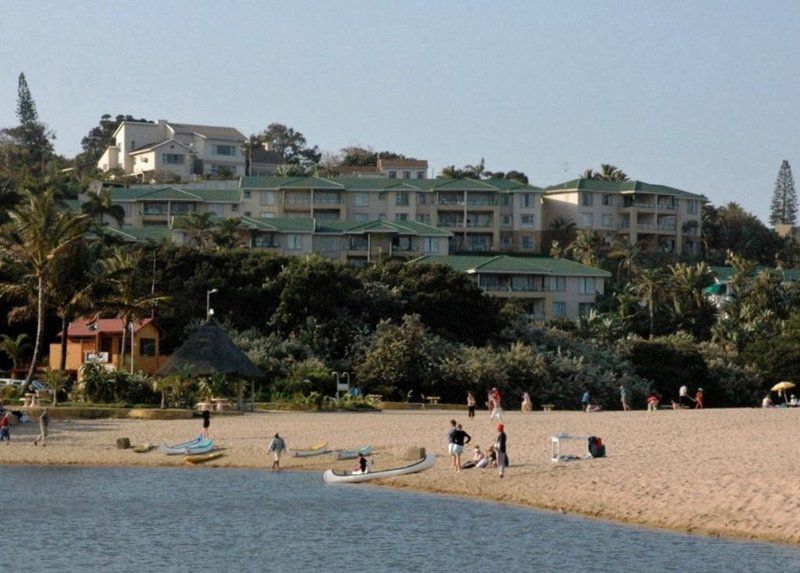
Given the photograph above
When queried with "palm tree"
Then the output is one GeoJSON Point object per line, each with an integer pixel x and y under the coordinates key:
{"type": "Point", "coordinates": [562, 228]}
{"type": "Point", "coordinates": [15, 348]}
{"type": "Point", "coordinates": [126, 302]}
{"type": "Point", "coordinates": [224, 234]}
{"type": "Point", "coordinates": [36, 237]}
{"type": "Point", "coordinates": [586, 247]}
{"type": "Point", "coordinates": [197, 226]}
{"type": "Point", "coordinates": [628, 254]}
{"type": "Point", "coordinates": [648, 285]}
{"type": "Point", "coordinates": [686, 286]}
{"type": "Point", "coordinates": [610, 172]}
{"type": "Point", "coordinates": [100, 204]}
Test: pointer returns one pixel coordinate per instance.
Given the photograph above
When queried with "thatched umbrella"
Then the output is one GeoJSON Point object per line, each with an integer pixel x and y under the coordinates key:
{"type": "Point", "coordinates": [208, 350]}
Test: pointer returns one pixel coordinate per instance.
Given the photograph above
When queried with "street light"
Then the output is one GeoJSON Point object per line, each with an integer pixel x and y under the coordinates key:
{"type": "Point", "coordinates": [208, 301]}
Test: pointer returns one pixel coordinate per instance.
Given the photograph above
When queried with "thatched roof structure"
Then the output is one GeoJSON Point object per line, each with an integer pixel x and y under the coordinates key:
{"type": "Point", "coordinates": [208, 350]}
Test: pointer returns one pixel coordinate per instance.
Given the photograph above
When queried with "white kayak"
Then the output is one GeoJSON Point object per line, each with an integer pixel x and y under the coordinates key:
{"type": "Point", "coordinates": [189, 448]}
{"type": "Point", "coordinates": [425, 463]}
{"type": "Point", "coordinates": [317, 450]}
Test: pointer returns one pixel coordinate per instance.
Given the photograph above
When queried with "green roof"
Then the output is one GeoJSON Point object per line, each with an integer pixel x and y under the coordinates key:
{"type": "Point", "coordinates": [351, 183]}
{"type": "Point", "coordinates": [724, 274]}
{"type": "Point", "coordinates": [230, 193]}
{"type": "Point", "coordinates": [140, 234]}
{"type": "Point", "coordinates": [620, 187]}
{"type": "Point", "coordinates": [279, 224]}
{"type": "Point", "coordinates": [307, 225]}
{"type": "Point", "coordinates": [513, 265]}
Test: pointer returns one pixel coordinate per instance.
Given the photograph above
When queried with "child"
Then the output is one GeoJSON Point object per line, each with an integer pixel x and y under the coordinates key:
{"type": "Point", "coordinates": [5, 432]}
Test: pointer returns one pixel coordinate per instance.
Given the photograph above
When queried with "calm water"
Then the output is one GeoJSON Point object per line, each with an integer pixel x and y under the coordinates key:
{"type": "Point", "coordinates": [110, 519]}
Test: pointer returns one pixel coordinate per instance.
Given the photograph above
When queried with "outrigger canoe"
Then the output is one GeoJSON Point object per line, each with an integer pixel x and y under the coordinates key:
{"type": "Point", "coordinates": [425, 463]}
{"type": "Point", "coordinates": [199, 459]}
{"type": "Point", "coordinates": [143, 448]}
{"type": "Point", "coordinates": [351, 454]}
{"type": "Point", "coordinates": [201, 446]}
{"type": "Point", "coordinates": [317, 450]}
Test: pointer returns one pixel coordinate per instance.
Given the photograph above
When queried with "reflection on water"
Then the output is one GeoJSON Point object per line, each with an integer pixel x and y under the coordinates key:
{"type": "Point", "coordinates": [124, 519]}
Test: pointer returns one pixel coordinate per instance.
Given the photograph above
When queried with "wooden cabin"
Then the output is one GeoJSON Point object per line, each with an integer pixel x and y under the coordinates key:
{"type": "Point", "coordinates": [100, 340]}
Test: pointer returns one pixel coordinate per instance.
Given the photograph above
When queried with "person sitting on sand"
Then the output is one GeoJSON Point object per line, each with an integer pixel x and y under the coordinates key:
{"type": "Point", "coordinates": [653, 399]}
{"type": "Point", "coordinates": [767, 402]}
{"type": "Point", "coordinates": [477, 457]}
{"type": "Point", "coordinates": [793, 403]}
{"type": "Point", "coordinates": [491, 458]}
{"type": "Point", "coordinates": [593, 407]}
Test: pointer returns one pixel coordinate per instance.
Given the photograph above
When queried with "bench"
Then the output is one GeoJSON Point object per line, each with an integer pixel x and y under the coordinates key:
{"type": "Point", "coordinates": [220, 404]}
{"type": "Point", "coordinates": [433, 399]}
{"type": "Point", "coordinates": [548, 407]}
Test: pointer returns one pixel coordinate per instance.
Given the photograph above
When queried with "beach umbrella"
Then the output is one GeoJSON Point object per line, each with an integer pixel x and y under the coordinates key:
{"type": "Point", "coordinates": [782, 387]}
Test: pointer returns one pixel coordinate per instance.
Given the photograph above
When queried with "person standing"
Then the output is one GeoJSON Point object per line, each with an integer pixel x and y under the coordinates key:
{"type": "Point", "coordinates": [683, 396]}
{"type": "Point", "coordinates": [698, 399]}
{"type": "Point", "coordinates": [5, 428]}
{"type": "Point", "coordinates": [527, 405]}
{"type": "Point", "coordinates": [44, 422]}
{"type": "Point", "coordinates": [497, 407]}
{"type": "Point", "coordinates": [206, 421]}
{"type": "Point", "coordinates": [623, 396]}
{"type": "Point", "coordinates": [451, 441]}
{"type": "Point", "coordinates": [276, 447]}
{"type": "Point", "coordinates": [460, 438]}
{"type": "Point", "coordinates": [500, 449]}
{"type": "Point", "coordinates": [585, 399]}
{"type": "Point", "coordinates": [470, 405]}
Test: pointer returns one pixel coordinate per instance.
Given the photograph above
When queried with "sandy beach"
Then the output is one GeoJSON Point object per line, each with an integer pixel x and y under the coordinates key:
{"type": "Point", "coordinates": [717, 472]}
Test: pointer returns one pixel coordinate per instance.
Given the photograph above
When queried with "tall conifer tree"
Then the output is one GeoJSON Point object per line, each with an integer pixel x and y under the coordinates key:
{"type": "Point", "coordinates": [783, 210]}
{"type": "Point", "coordinates": [26, 107]}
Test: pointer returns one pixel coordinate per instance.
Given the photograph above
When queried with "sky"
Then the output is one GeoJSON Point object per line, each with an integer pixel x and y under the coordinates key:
{"type": "Point", "coordinates": [702, 96]}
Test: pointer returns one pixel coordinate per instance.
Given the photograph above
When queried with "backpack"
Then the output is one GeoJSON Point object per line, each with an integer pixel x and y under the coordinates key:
{"type": "Point", "coordinates": [596, 447]}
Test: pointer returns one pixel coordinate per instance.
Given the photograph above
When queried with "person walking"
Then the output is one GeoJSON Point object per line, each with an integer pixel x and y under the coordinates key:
{"type": "Point", "coordinates": [206, 421]}
{"type": "Point", "coordinates": [623, 396]}
{"type": "Point", "coordinates": [683, 396]}
{"type": "Point", "coordinates": [500, 449]}
{"type": "Point", "coordinates": [585, 399]}
{"type": "Point", "coordinates": [451, 441]}
{"type": "Point", "coordinates": [44, 422]}
{"type": "Point", "coordinates": [460, 438]}
{"type": "Point", "coordinates": [5, 428]}
{"type": "Point", "coordinates": [698, 399]}
{"type": "Point", "coordinates": [497, 407]}
{"type": "Point", "coordinates": [527, 405]}
{"type": "Point", "coordinates": [470, 405]}
{"type": "Point", "coordinates": [276, 447]}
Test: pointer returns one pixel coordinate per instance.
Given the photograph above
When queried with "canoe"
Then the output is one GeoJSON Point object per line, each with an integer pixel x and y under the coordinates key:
{"type": "Point", "coordinates": [425, 463]}
{"type": "Point", "coordinates": [351, 454]}
{"type": "Point", "coordinates": [143, 448]}
{"type": "Point", "coordinates": [200, 458]}
{"type": "Point", "coordinates": [317, 450]}
{"type": "Point", "coordinates": [196, 447]}
{"type": "Point", "coordinates": [188, 444]}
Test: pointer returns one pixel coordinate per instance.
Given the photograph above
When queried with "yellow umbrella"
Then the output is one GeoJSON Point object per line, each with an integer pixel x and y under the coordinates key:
{"type": "Point", "coordinates": [782, 387]}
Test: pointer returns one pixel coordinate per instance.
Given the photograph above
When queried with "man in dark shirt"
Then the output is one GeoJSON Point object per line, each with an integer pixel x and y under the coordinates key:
{"type": "Point", "coordinates": [460, 437]}
{"type": "Point", "coordinates": [500, 448]}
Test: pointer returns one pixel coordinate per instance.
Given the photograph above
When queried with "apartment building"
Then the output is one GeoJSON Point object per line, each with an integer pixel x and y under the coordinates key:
{"type": "Point", "coordinates": [659, 218]}
{"type": "Point", "coordinates": [174, 150]}
{"type": "Point", "coordinates": [481, 215]}
{"type": "Point", "coordinates": [548, 288]}
{"type": "Point", "coordinates": [392, 168]}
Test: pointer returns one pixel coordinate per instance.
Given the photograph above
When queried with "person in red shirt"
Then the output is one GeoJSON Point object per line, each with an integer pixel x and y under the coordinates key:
{"type": "Point", "coordinates": [698, 399]}
{"type": "Point", "coordinates": [5, 424]}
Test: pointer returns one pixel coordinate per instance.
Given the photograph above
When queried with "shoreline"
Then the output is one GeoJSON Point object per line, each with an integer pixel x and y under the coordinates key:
{"type": "Point", "coordinates": [731, 479]}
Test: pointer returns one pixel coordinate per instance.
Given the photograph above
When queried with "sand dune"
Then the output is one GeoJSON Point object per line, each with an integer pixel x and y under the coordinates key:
{"type": "Point", "coordinates": [720, 472]}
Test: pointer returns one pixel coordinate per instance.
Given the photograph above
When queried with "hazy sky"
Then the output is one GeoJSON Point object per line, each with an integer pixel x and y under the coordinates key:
{"type": "Point", "coordinates": [699, 95]}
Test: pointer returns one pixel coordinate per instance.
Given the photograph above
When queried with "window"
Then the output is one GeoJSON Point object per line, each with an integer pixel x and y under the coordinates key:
{"type": "Point", "coordinates": [586, 285]}
{"type": "Point", "coordinates": [505, 220]}
{"type": "Point", "coordinates": [155, 209]}
{"type": "Point", "coordinates": [559, 309]}
{"type": "Point", "coordinates": [401, 216]}
{"type": "Point", "coordinates": [503, 200]}
{"type": "Point", "coordinates": [330, 244]}
{"type": "Point", "coordinates": [247, 213]}
{"type": "Point", "coordinates": [225, 149]}
{"type": "Point", "coordinates": [691, 207]}
{"type": "Point", "coordinates": [361, 217]}
{"type": "Point", "coordinates": [420, 175]}
{"type": "Point", "coordinates": [505, 241]}
{"type": "Point", "coordinates": [133, 144]}
{"type": "Point", "coordinates": [401, 243]}
{"type": "Point", "coordinates": [267, 198]}
{"type": "Point", "coordinates": [147, 347]}
{"type": "Point", "coordinates": [266, 241]}
{"type": "Point", "coordinates": [266, 215]}
{"type": "Point", "coordinates": [587, 221]}
{"type": "Point", "coordinates": [247, 193]}
{"type": "Point", "coordinates": [181, 208]}
{"type": "Point", "coordinates": [607, 199]}
{"type": "Point", "coordinates": [294, 242]}
{"type": "Point", "coordinates": [401, 198]}
{"type": "Point", "coordinates": [361, 200]}
{"type": "Point", "coordinates": [392, 174]}
{"type": "Point", "coordinates": [522, 284]}
{"type": "Point", "coordinates": [527, 200]}
{"type": "Point", "coordinates": [358, 244]}
{"type": "Point", "coordinates": [422, 199]}
{"type": "Point", "coordinates": [381, 216]}
{"type": "Point", "coordinates": [406, 174]}
{"type": "Point", "coordinates": [430, 245]}
{"type": "Point", "coordinates": [608, 220]}
{"type": "Point", "coordinates": [587, 199]}
{"type": "Point", "coordinates": [584, 308]}
{"type": "Point", "coordinates": [556, 284]}
{"type": "Point", "coordinates": [218, 168]}
{"type": "Point", "coordinates": [172, 158]}
{"type": "Point", "coordinates": [527, 220]}
{"type": "Point", "coordinates": [423, 218]}
{"type": "Point", "coordinates": [528, 243]}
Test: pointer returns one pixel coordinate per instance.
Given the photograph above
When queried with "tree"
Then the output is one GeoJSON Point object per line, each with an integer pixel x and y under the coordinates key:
{"type": "Point", "coordinates": [98, 139]}
{"type": "Point", "coordinates": [15, 348]}
{"type": "Point", "coordinates": [731, 228]}
{"type": "Point", "coordinates": [224, 235]}
{"type": "Point", "coordinates": [648, 285]}
{"type": "Point", "coordinates": [33, 242]}
{"type": "Point", "coordinates": [291, 145]}
{"type": "Point", "coordinates": [586, 247]}
{"type": "Point", "coordinates": [563, 229]}
{"type": "Point", "coordinates": [628, 254]}
{"type": "Point", "coordinates": [100, 204]}
{"type": "Point", "coordinates": [198, 228]}
{"type": "Point", "coordinates": [607, 172]}
{"type": "Point", "coordinates": [783, 210]}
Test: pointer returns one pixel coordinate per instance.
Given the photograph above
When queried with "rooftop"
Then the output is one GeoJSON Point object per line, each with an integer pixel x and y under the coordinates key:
{"type": "Point", "coordinates": [625, 187]}
{"type": "Point", "coordinates": [349, 183]}
{"type": "Point", "coordinates": [504, 264]}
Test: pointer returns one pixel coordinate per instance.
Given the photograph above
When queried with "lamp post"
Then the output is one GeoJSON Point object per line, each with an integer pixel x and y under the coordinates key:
{"type": "Point", "coordinates": [208, 301]}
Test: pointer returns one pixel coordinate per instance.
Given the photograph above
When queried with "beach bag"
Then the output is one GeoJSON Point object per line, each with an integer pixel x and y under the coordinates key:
{"type": "Point", "coordinates": [596, 447]}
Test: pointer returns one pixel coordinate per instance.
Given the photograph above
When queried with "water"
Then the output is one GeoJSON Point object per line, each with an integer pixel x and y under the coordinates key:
{"type": "Point", "coordinates": [122, 519]}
